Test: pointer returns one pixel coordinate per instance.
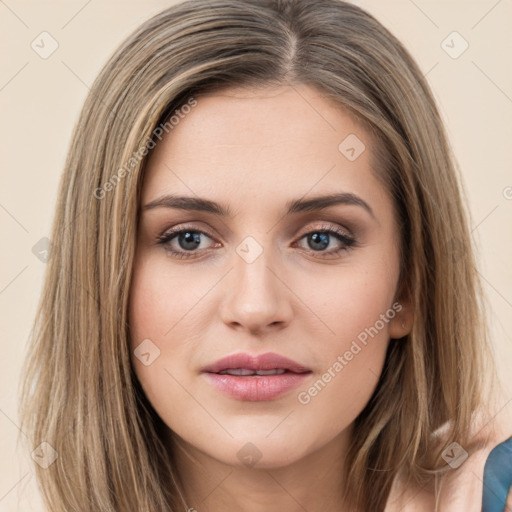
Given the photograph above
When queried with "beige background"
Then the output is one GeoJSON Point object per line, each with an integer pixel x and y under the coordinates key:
{"type": "Point", "coordinates": [40, 100]}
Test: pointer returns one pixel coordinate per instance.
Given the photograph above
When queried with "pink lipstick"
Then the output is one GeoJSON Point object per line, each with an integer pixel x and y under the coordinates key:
{"type": "Point", "coordinates": [255, 377]}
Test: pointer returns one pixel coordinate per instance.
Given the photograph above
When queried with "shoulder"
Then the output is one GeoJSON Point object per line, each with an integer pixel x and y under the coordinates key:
{"type": "Point", "coordinates": [497, 491]}
{"type": "Point", "coordinates": [488, 459]}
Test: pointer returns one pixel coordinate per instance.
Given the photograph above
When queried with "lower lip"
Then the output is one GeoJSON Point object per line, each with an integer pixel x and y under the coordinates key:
{"type": "Point", "coordinates": [256, 388]}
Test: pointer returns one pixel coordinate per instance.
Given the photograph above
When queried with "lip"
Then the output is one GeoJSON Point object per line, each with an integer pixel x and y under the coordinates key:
{"type": "Point", "coordinates": [267, 361]}
{"type": "Point", "coordinates": [256, 388]}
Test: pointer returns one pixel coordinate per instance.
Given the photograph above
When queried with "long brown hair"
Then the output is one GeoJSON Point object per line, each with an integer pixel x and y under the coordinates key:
{"type": "Point", "coordinates": [80, 394]}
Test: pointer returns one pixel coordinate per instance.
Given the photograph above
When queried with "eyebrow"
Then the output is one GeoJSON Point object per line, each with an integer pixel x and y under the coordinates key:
{"type": "Point", "coordinates": [293, 206]}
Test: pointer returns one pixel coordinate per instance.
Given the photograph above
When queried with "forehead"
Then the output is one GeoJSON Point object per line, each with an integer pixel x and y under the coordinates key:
{"type": "Point", "coordinates": [263, 142]}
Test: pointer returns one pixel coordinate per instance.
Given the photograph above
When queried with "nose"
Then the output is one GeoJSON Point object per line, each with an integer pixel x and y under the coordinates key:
{"type": "Point", "coordinates": [256, 297]}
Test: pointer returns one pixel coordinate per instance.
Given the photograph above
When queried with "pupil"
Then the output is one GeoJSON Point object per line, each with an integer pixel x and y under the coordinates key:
{"type": "Point", "coordinates": [319, 238]}
{"type": "Point", "coordinates": [190, 240]}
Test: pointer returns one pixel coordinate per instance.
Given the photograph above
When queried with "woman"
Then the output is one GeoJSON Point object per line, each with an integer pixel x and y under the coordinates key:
{"type": "Point", "coordinates": [262, 293]}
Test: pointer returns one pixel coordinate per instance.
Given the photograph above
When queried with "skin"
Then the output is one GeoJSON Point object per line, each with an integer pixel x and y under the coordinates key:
{"type": "Point", "coordinates": [253, 150]}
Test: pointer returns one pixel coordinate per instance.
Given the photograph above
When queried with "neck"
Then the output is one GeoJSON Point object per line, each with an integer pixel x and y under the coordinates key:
{"type": "Point", "coordinates": [314, 483]}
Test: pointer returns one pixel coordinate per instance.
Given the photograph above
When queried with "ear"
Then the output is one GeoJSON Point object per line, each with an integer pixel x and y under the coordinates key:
{"type": "Point", "coordinates": [401, 324]}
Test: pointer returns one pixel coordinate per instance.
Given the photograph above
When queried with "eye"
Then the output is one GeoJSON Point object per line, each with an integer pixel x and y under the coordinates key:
{"type": "Point", "coordinates": [187, 241]}
{"type": "Point", "coordinates": [183, 243]}
{"type": "Point", "coordinates": [319, 239]}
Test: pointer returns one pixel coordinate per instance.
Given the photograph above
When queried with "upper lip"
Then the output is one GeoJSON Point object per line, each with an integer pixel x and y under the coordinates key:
{"type": "Point", "coordinates": [268, 361]}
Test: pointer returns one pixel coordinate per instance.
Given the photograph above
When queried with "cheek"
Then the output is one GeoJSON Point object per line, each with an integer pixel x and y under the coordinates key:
{"type": "Point", "coordinates": [158, 308]}
{"type": "Point", "coordinates": [161, 299]}
{"type": "Point", "coordinates": [352, 301]}
{"type": "Point", "coordinates": [356, 307]}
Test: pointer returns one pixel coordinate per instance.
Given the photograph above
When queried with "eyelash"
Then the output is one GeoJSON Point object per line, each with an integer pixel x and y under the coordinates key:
{"type": "Point", "coordinates": [166, 238]}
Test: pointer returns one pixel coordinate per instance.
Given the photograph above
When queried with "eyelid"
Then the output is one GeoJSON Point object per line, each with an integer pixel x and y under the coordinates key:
{"type": "Point", "coordinates": [327, 226]}
{"type": "Point", "coordinates": [184, 227]}
{"type": "Point", "coordinates": [324, 226]}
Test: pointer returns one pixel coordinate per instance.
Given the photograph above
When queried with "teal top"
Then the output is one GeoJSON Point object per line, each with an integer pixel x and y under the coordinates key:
{"type": "Point", "coordinates": [497, 490]}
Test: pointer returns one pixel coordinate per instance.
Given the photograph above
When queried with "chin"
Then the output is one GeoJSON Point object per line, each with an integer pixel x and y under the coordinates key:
{"type": "Point", "coordinates": [261, 454]}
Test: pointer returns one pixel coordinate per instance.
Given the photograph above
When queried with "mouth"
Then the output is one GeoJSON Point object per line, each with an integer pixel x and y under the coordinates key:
{"type": "Point", "coordinates": [255, 378]}
{"type": "Point", "coordinates": [246, 372]}
{"type": "Point", "coordinates": [244, 364]}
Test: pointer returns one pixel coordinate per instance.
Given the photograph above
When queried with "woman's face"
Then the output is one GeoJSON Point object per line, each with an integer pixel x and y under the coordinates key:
{"type": "Point", "coordinates": [253, 272]}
